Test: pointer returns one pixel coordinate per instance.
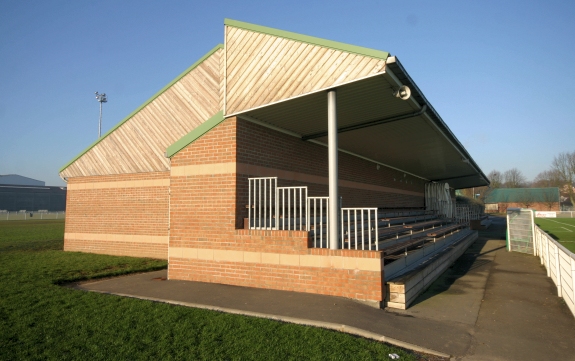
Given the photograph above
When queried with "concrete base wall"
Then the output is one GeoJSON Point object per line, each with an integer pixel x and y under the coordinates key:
{"type": "Point", "coordinates": [264, 263]}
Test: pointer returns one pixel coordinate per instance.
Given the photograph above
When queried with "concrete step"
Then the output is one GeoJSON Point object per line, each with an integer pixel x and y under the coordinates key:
{"type": "Point", "coordinates": [404, 285]}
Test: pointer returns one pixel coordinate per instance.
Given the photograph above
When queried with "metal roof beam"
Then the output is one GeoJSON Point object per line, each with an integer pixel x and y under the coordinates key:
{"type": "Point", "coordinates": [447, 179]}
{"type": "Point", "coordinates": [370, 123]}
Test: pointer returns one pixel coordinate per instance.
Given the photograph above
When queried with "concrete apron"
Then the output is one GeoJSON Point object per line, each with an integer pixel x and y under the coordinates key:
{"type": "Point", "coordinates": [490, 305]}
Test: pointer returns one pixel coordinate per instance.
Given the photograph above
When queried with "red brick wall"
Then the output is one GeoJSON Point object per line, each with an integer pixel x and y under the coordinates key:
{"type": "Point", "coordinates": [333, 282]}
{"type": "Point", "coordinates": [364, 285]}
{"type": "Point", "coordinates": [207, 210]}
{"type": "Point", "coordinates": [263, 147]}
{"type": "Point", "coordinates": [538, 206]}
{"type": "Point", "coordinates": [114, 215]}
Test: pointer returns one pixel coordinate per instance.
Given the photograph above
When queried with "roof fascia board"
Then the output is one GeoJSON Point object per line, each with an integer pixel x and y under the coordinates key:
{"type": "Point", "coordinates": [184, 73]}
{"type": "Point", "coordinates": [378, 54]}
{"type": "Point", "coordinates": [195, 134]}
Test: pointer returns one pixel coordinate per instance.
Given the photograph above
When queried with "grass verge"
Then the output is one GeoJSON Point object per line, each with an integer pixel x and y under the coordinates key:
{"type": "Point", "coordinates": [561, 229]}
{"type": "Point", "coordinates": [41, 320]}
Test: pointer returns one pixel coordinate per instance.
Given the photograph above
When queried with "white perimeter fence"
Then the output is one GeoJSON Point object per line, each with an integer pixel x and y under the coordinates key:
{"type": "Point", "coordinates": [560, 264]}
{"type": "Point", "coordinates": [523, 235]}
{"type": "Point", "coordinates": [554, 214]}
{"type": "Point", "coordinates": [30, 216]}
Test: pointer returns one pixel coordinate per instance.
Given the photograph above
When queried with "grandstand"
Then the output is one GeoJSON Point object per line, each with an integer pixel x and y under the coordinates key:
{"type": "Point", "coordinates": [284, 161]}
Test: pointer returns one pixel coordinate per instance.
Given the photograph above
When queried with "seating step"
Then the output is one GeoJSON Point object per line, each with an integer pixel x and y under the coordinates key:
{"type": "Point", "coordinates": [404, 286]}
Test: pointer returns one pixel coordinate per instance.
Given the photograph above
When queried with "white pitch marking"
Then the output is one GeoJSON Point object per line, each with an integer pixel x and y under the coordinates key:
{"type": "Point", "coordinates": [565, 224]}
{"type": "Point", "coordinates": [567, 229]}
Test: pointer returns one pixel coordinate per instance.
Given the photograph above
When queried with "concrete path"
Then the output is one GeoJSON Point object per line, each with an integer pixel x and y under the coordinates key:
{"type": "Point", "coordinates": [490, 305]}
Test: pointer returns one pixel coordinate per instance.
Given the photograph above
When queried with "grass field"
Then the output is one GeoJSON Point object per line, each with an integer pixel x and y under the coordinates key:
{"type": "Point", "coordinates": [41, 320]}
{"type": "Point", "coordinates": [561, 229]}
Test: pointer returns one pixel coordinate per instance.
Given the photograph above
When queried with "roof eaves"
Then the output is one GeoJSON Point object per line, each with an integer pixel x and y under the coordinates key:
{"type": "Point", "coordinates": [195, 134]}
{"type": "Point", "coordinates": [378, 54]}
{"type": "Point", "coordinates": [184, 73]}
{"type": "Point", "coordinates": [417, 94]}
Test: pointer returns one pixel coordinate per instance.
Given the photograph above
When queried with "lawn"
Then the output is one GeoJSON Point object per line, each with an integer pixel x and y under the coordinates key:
{"type": "Point", "coordinates": [40, 319]}
{"type": "Point", "coordinates": [561, 229]}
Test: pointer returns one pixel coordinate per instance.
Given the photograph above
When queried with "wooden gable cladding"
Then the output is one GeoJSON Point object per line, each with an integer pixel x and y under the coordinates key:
{"type": "Point", "coordinates": [138, 144]}
{"type": "Point", "coordinates": [263, 68]}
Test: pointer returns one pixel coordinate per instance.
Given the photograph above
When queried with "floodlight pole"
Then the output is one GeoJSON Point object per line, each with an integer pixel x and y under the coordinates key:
{"type": "Point", "coordinates": [102, 99]}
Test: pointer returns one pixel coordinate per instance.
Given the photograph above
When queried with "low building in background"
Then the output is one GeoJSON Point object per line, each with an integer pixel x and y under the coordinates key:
{"type": "Point", "coordinates": [541, 199]}
{"type": "Point", "coordinates": [15, 179]}
{"type": "Point", "coordinates": [18, 193]}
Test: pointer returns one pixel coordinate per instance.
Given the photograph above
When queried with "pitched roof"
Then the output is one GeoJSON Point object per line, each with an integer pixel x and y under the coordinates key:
{"type": "Point", "coordinates": [106, 137]}
{"type": "Point", "coordinates": [278, 79]}
{"type": "Point", "coordinates": [519, 195]}
{"type": "Point", "coordinates": [348, 48]}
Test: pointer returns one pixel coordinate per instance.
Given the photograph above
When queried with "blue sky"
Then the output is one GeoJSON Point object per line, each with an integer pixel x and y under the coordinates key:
{"type": "Point", "coordinates": [500, 73]}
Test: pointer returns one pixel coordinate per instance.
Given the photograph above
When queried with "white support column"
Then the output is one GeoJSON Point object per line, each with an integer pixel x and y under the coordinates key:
{"type": "Point", "coordinates": [333, 169]}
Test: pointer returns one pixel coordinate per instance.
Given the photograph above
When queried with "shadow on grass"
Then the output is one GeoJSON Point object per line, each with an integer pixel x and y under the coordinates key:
{"type": "Point", "coordinates": [108, 272]}
{"type": "Point", "coordinates": [32, 246]}
{"type": "Point", "coordinates": [552, 235]}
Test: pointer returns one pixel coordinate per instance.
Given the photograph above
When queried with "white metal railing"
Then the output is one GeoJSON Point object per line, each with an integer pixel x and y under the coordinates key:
{"type": "Point", "coordinates": [261, 202]}
{"type": "Point", "coordinates": [358, 226]}
{"type": "Point", "coordinates": [463, 214]}
{"type": "Point", "coordinates": [30, 215]}
{"type": "Point", "coordinates": [466, 213]}
{"type": "Point", "coordinates": [438, 199]}
{"type": "Point", "coordinates": [560, 265]}
{"type": "Point", "coordinates": [291, 208]}
{"type": "Point", "coordinates": [317, 221]}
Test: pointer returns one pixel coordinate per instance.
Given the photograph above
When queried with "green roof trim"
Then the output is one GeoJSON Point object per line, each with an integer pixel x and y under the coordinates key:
{"type": "Point", "coordinates": [195, 134]}
{"type": "Point", "coordinates": [521, 195]}
{"type": "Point", "coordinates": [184, 73]}
{"type": "Point", "coordinates": [378, 54]}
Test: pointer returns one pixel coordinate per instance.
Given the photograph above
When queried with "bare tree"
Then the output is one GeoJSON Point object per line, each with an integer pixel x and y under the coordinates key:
{"type": "Point", "coordinates": [513, 178]}
{"type": "Point", "coordinates": [495, 178]}
{"type": "Point", "coordinates": [564, 165]}
{"type": "Point", "coordinates": [475, 193]}
{"type": "Point", "coordinates": [546, 179]}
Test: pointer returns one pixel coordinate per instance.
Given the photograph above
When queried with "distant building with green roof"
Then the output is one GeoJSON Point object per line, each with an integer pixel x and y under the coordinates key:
{"type": "Point", "coordinates": [540, 199]}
